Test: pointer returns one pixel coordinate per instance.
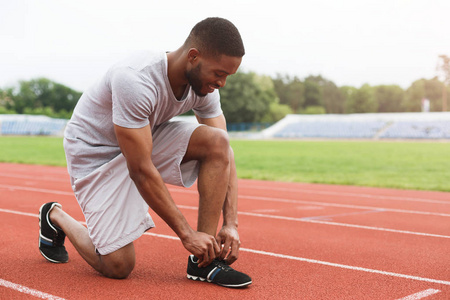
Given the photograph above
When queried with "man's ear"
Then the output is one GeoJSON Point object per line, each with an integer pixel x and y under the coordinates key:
{"type": "Point", "coordinates": [193, 55]}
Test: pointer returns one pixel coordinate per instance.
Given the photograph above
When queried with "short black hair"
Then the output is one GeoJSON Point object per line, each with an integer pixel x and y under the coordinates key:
{"type": "Point", "coordinates": [216, 36]}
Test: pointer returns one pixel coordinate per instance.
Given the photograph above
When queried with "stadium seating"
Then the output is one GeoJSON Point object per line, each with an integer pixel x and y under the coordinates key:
{"type": "Point", "coordinates": [363, 126]}
{"type": "Point", "coordinates": [418, 130]}
{"type": "Point", "coordinates": [31, 125]}
{"type": "Point", "coordinates": [332, 129]}
{"type": "Point", "coordinates": [354, 126]}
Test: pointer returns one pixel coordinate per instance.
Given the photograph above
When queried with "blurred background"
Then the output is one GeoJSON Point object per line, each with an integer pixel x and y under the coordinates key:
{"type": "Point", "coordinates": [317, 58]}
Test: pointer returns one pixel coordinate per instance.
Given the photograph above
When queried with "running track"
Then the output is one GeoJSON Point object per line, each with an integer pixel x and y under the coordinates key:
{"type": "Point", "coordinates": [299, 241]}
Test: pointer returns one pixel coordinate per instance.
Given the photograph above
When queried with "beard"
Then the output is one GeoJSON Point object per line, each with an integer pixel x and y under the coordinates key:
{"type": "Point", "coordinates": [193, 77]}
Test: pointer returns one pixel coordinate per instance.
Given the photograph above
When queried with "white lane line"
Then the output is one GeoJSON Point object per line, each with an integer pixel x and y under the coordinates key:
{"type": "Point", "coordinates": [421, 295]}
{"type": "Point", "coordinates": [330, 264]}
{"type": "Point", "coordinates": [291, 190]}
{"type": "Point", "coordinates": [47, 191]}
{"type": "Point", "coordinates": [346, 194]}
{"type": "Point", "coordinates": [378, 229]}
{"type": "Point", "coordinates": [15, 212]}
{"type": "Point", "coordinates": [27, 290]}
{"type": "Point", "coordinates": [305, 220]}
{"type": "Point", "coordinates": [308, 220]}
{"type": "Point", "coordinates": [325, 263]}
{"type": "Point", "coordinates": [31, 189]}
{"type": "Point", "coordinates": [52, 170]}
{"type": "Point", "coordinates": [38, 178]}
{"type": "Point", "coordinates": [330, 217]}
{"type": "Point", "coordinates": [345, 206]}
{"type": "Point", "coordinates": [282, 200]}
{"type": "Point", "coordinates": [392, 274]}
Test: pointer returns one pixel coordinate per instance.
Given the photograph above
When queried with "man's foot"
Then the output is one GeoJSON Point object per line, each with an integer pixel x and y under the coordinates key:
{"type": "Point", "coordinates": [51, 237]}
{"type": "Point", "coordinates": [217, 272]}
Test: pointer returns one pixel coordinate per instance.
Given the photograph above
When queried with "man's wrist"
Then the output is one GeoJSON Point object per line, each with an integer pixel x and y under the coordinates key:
{"type": "Point", "coordinates": [184, 233]}
{"type": "Point", "coordinates": [231, 223]}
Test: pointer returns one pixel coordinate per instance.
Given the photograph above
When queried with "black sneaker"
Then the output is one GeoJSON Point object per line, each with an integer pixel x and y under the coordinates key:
{"type": "Point", "coordinates": [51, 237]}
{"type": "Point", "coordinates": [217, 272]}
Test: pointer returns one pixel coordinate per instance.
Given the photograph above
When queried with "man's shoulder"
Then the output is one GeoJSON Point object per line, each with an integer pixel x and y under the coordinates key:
{"type": "Point", "coordinates": [142, 68]}
{"type": "Point", "coordinates": [141, 60]}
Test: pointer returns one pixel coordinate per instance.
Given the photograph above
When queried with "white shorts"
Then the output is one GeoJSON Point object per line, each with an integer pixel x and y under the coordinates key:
{"type": "Point", "coordinates": [115, 212]}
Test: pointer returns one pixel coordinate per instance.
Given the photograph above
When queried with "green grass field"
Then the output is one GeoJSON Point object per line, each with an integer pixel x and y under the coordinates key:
{"type": "Point", "coordinates": [406, 165]}
{"type": "Point", "coordinates": [32, 150]}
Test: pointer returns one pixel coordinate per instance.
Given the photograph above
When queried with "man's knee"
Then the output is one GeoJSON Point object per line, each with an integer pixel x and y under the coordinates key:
{"type": "Point", "coordinates": [118, 270]}
{"type": "Point", "coordinates": [218, 144]}
{"type": "Point", "coordinates": [119, 264]}
{"type": "Point", "coordinates": [208, 143]}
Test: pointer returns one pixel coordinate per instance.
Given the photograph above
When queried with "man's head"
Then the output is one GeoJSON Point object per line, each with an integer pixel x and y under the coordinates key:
{"type": "Point", "coordinates": [214, 50]}
{"type": "Point", "coordinates": [214, 37]}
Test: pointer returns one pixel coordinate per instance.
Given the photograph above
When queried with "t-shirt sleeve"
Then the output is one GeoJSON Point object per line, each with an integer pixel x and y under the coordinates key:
{"type": "Point", "coordinates": [209, 106]}
{"type": "Point", "coordinates": [132, 99]}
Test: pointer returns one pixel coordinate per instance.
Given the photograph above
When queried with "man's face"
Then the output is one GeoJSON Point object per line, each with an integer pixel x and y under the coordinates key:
{"type": "Point", "coordinates": [208, 74]}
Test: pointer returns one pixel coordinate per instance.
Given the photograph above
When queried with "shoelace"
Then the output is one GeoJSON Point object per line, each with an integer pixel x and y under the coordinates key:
{"type": "Point", "coordinates": [222, 265]}
{"type": "Point", "coordinates": [59, 237]}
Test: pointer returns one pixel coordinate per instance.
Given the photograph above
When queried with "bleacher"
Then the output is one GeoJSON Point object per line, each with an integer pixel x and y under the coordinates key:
{"type": "Point", "coordinates": [363, 126]}
{"type": "Point", "coordinates": [354, 126]}
{"type": "Point", "coordinates": [31, 125]}
{"type": "Point", "coordinates": [418, 130]}
{"type": "Point", "coordinates": [332, 129]}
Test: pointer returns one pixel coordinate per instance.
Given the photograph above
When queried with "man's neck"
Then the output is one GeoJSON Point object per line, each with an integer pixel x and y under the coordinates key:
{"type": "Point", "coordinates": [175, 71]}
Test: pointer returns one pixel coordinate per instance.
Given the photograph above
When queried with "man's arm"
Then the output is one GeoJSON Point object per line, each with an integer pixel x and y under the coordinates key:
{"type": "Point", "coordinates": [136, 146]}
{"type": "Point", "coordinates": [228, 236]}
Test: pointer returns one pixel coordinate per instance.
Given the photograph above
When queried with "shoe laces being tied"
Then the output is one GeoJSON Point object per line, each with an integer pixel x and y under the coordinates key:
{"type": "Point", "coordinates": [222, 264]}
{"type": "Point", "coordinates": [58, 237]}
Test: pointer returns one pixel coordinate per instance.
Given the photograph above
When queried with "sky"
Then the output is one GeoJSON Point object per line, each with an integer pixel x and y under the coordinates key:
{"type": "Point", "coordinates": [350, 42]}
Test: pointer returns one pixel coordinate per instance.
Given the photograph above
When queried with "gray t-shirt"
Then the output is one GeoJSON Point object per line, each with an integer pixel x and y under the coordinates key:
{"type": "Point", "coordinates": [132, 94]}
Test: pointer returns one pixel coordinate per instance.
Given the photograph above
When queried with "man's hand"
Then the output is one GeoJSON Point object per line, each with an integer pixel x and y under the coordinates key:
{"type": "Point", "coordinates": [203, 246]}
{"type": "Point", "coordinates": [228, 237]}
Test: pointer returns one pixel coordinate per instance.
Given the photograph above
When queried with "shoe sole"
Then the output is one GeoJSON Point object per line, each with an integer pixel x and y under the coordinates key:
{"type": "Point", "coordinates": [40, 234]}
{"type": "Point", "coordinates": [196, 278]}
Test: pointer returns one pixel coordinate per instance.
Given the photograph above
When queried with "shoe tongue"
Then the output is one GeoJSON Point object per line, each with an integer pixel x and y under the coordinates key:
{"type": "Point", "coordinates": [60, 238]}
{"type": "Point", "coordinates": [222, 264]}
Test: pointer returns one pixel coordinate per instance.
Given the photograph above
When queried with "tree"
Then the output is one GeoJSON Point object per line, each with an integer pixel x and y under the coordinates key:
{"type": "Point", "coordinates": [362, 100]}
{"type": "Point", "coordinates": [430, 89]}
{"type": "Point", "coordinates": [313, 91]}
{"type": "Point", "coordinates": [313, 110]}
{"type": "Point", "coordinates": [290, 91]}
{"type": "Point", "coordinates": [389, 98]}
{"type": "Point", "coordinates": [40, 93]}
{"type": "Point", "coordinates": [333, 99]}
{"type": "Point", "coordinates": [276, 112]}
{"type": "Point", "coordinates": [247, 97]}
{"type": "Point", "coordinates": [347, 92]}
{"type": "Point", "coordinates": [323, 96]}
{"type": "Point", "coordinates": [444, 69]}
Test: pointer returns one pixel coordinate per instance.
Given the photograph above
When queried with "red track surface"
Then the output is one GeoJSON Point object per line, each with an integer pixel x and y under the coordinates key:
{"type": "Point", "coordinates": [299, 241]}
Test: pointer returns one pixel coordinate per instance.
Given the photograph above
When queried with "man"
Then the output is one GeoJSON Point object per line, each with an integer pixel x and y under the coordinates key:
{"type": "Point", "coordinates": [121, 149]}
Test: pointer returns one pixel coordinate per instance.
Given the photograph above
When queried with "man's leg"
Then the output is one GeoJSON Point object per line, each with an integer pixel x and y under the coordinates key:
{"type": "Point", "coordinates": [118, 264]}
{"type": "Point", "coordinates": [210, 146]}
